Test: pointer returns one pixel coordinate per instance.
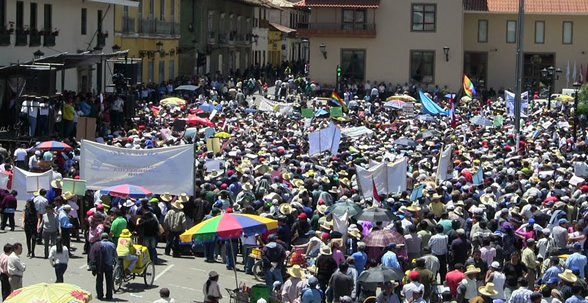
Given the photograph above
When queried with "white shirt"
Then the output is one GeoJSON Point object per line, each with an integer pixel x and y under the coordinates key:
{"type": "Point", "coordinates": [58, 258]}
{"type": "Point", "coordinates": [20, 154]}
{"type": "Point", "coordinates": [409, 288]}
{"type": "Point", "coordinates": [15, 267]}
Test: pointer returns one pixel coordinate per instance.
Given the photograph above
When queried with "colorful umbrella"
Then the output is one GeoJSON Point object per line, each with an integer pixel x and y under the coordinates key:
{"type": "Point", "coordinates": [405, 98]}
{"type": "Point", "coordinates": [229, 226]}
{"type": "Point", "coordinates": [126, 191]}
{"type": "Point", "coordinates": [49, 293]}
{"type": "Point", "coordinates": [222, 135]}
{"type": "Point", "coordinates": [399, 104]}
{"type": "Point", "coordinates": [383, 237]}
{"type": "Point", "coordinates": [173, 101]}
{"type": "Point", "coordinates": [340, 208]}
{"type": "Point", "coordinates": [564, 98]}
{"type": "Point", "coordinates": [195, 120]}
{"type": "Point", "coordinates": [52, 145]}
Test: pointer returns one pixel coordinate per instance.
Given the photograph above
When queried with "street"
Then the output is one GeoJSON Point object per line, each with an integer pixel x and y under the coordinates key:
{"type": "Point", "coordinates": [183, 276]}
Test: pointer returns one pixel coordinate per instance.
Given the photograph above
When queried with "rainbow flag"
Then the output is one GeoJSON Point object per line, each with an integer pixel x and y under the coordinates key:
{"type": "Point", "coordinates": [468, 87]}
{"type": "Point", "coordinates": [337, 101]}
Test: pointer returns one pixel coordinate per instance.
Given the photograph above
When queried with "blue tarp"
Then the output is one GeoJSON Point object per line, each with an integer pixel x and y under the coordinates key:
{"type": "Point", "coordinates": [321, 112]}
{"type": "Point", "coordinates": [430, 107]}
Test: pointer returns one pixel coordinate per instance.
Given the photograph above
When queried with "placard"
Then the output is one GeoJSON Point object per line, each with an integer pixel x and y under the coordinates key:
{"type": "Point", "coordinates": [307, 113]}
{"type": "Point", "coordinates": [336, 111]}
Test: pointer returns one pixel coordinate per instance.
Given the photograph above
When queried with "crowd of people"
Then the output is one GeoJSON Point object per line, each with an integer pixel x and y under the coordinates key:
{"type": "Point", "coordinates": [516, 235]}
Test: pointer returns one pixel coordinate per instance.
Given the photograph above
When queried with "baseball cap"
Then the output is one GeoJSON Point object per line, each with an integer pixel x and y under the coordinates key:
{"type": "Point", "coordinates": [562, 221]}
{"type": "Point", "coordinates": [552, 280]}
{"type": "Point", "coordinates": [530, 241]}
{"type": "Point", "coordinates": [532, 221]}
{"type": "Point", "coordinates": [495, 265]}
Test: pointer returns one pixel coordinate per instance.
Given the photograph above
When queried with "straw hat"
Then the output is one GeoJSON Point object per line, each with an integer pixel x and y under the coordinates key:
{"type": "Point", "coordinates": [298, 182]}
{"type": "Point", "coordinates": [68, 195]}
{"type": "Point", "coordinates": [436, 196]}
{"type": "Point", "coordinates": [458, 211]}
{"type": "Point", "coordinates": [183, 197]}
{"type": "Point", "coordinates": [488, 290]}
{"type": "Point", "coordinates": [327, 225]}
{"type": "Point", "coordinates": [128, 203]}
{"type": "Point", "coordinates": [125, 233]}
{"type": "Point", "coordinates": [568, 276]}
{"type": "Point", "coordinates": [166, 197]}
{"type": "Point", "coordinates": [247, 186]}
{"type": "Point", "coordinates": [214, 174]}
{"type": "Point", "coordinates": [334, 190]}
{"type": "Point", "coordinates": [486, 199]}
{"type": "Point", "coordinates": [326, 250]}
{"type": "Point", "coordinates": [344, 182]}
{"type": "Point", "coordinates": [286, 176]}
{"type": "Point", "coordinates": [322, 209]}
{"type": "Point", "coordinates": [414, 208]}
{"type": "Point", "coordinates": [354, 231]}
{"type": "Point", "coordinates": [471, 269]}
{"type": "Point", "coordinates": [295, 271]}
{"type": "Point", "coordinates": [325, 179]}
{"type": "Point", "coordinates": [178, 205]}
{"type": "Point", "coordinates": [285, 208]}
{"type": "Point", "coordinates": [57, 183]}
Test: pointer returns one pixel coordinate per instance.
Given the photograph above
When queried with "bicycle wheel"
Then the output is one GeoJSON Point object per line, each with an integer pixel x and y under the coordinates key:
{"type": "Point", "coordinates": [118, 277]}
{"type": "Point", "coordinates": [258, 272]}
{"type": "Point", "coordinates": [149, 274]}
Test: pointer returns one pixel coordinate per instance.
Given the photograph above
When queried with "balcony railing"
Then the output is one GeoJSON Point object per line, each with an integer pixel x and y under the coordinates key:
{"type": "Point", "coordinates": [148, 26]}
{"type": "Point", "coordinates": [351, 30]}
{"type": "Point", "coordinates": [129, 25]}
{"type": "Point", "coordinates": [35, 40]}
{"type": "Point", "coordinates": [49, 40]}
{"type": "Point", "coordinates": [5, 39]}
{"type": "Point", "coordinates": [222, 39]}
{"type": "Point", "coordinates": [176, 28]}
{"type": "Point", "coordinates": [211, 37]}
{"type": "Point", "coordinates": [21, 39]}
{"type": "Point", "coordinates": [163, 27]}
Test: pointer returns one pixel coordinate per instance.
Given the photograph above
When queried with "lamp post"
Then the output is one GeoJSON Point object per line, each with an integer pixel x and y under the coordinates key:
{"type": "Point", "coordinates": [323, 49]}
{"type": "Point", "coordinates": [577, 87]}
{"type": "Point", "coordinates": [38, 54]}
{"type": "Point", "coordinates": [446, 52]}
{"type": "Point", "coordinates": [548, 74]}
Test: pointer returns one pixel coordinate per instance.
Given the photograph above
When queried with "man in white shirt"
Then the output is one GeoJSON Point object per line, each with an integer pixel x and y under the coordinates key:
{"type": "Point", "coordinates": [20, 156]}
{"type": "Point", "coordinates": [43, 118]}
{"type": "Point", "coordinates": [15, 267]}
{"type": "Point", "coordinates": [164, 294]}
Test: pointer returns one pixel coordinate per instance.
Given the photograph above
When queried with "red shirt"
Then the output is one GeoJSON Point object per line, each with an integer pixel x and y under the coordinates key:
{"type": "Point", "coordinates": [453, 278]}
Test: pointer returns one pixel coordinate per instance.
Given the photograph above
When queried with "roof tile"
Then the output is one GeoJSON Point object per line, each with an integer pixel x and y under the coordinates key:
{"type": "Point", "coordinates": [576, 7]}
{"type": "Point", "coordinates": [339, 3]}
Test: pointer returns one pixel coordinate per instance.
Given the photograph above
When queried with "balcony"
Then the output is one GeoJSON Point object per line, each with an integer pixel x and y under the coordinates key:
{"type": "Point", "coordinates": [147, 26]}
{"type": "Point", "coordinates": [232, 38]}
{"type": "Point", "coordinates": [101, 39]}
{"type": "Point", "coordinates": [4, 39]}
{"type": "Point", "coordinates": [129, 25]}
{"type": "Point", "coordinates": [222, 39]}
{"type": "Point", "coordinates": [337, 30]}
{"type": "Point", "coordinates": [176, 29]}
{"type": "Point", "coordinates": [163, 27]}
{"type": "Point", "coordinates": [22, 39]}
{"type": "Point", "coordinates": [49, 40]}
{"type": "Point", "coordinates": [211, 37]}
{"type": "Point", "coordinates": [35, 40]}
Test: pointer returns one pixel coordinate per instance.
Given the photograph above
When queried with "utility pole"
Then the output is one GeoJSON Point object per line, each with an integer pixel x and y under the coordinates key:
{"type": "Point", "coordinates": [338, 76]}
{"type": "Point", "coordinates": [518, 73]}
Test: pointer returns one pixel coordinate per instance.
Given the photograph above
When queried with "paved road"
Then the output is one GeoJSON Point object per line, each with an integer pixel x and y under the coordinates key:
{"type": "Point", "coordinates": [183, 276]}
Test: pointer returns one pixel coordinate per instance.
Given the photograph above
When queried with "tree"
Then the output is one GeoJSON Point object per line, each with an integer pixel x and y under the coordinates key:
{"type": "Point", "coordinates": [583, 100]}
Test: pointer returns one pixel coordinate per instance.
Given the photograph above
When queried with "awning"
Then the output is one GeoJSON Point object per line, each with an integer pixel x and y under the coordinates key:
{"type": "Point", "coordinates": [119, 2]}
{"type": "Point", "coordinates": [281, 28]}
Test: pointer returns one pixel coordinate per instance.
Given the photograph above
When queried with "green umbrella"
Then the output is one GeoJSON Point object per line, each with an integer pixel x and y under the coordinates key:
{"type": "Point", "coordinates": [340, 208]}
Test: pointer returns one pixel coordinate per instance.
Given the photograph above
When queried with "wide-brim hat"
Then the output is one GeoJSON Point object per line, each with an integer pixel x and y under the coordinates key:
{"type": "Point", "coordinates": [471, 269]}
{"type": "Point", "coordinates": [214, 174]}
{"type": "Point", "coordinates": [125, 233]}
{"type": "Point", "coordinates": [344, 182]}
{"type": "Point", "coordinates": [178, 205]}
{"type": "Point", "coordinates": [285, 208]}
{"type": "Point", "coordinates": [295, 271]}
{"type": "Point", "coordinates": [488, 290]}
{"type": "Point", "coordinates": [458, 211]}
{"type": "Point", "coordinates": [128, 203]}
{"type": "Point", "coordinates": [325, 179]}
{"type": "Point", "coordinates": [183, 197]}
{"type": "Point", "coordinates": [354, 233]}
{"type": "Point", "coordinates": [486, 198]}
{"type": "Point", "coordinates": [322, 209]}
{"type": "Point", "coordinates": [57, 183]}
{"type": "Point", "coordinates": [334, 190]}
{"type": "Point", "coordinates": [166, 197]}
{"type": "Point", "coordinates": [326, 250]}
{"type": "Point", "coordinates": [286, 176]}
{"type": "Point", "coordinates": [414, 208]}
{"type": "Point", "coordinates": [68, 195]}
{"type": "Point", "coordinates": [568, 276]}
{"type": "Point", "coordinates": [298, 182]}
{"type": "Point", "coordinates": [328, 225]}
{"type": "Point", "coordinates": [247, 186]}
{"type": "Point", "coordinates": [436, 196]}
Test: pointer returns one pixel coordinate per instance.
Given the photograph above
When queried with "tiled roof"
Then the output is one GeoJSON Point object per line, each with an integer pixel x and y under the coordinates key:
{"type": "Point", "coordinates": [339, 3]}
{"type": "Point", "coordinates": [575, 7]}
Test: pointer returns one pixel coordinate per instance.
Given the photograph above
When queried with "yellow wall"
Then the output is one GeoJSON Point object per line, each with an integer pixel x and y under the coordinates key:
{"type": "Point", "coordinates": [274, 47]}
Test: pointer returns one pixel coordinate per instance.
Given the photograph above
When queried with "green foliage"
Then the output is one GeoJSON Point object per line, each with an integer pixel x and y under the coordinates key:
{"type": "Point", "coordinates": [583, 94]}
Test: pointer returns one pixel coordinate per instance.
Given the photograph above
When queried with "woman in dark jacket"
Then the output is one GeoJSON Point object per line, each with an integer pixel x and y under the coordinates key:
{"type": "Point", "coordinates": [30, 217]}
{"type": "Point", "coordinates": [149, 228]}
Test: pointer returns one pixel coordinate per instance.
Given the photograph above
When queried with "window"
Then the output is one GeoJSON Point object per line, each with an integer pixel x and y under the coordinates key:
{"type": "Point", "coordinates": [149, 71]}
{"type": "Point", "coordinates": [172, 70]}
{"type": "Point", "coordinates": [48, 17]}
{"type": "Point", "coordinates": [162, 10]}
{"type": "Point", "coordinates": [354, 19]}
{"type": "Point", "coordinates": [539, 32]}
{"type": "Point", "coordinates": [353, 64]}
{"type": "Point", "coordinates": [172, 11]}
{"type": "Point", "coordinates": [161, 71]}
{"type": "Point", "coordinates": [423, 17]}
{"type": "Point", "coordinates": [568, 29]}
{"type": "Point", "coordinates": [210, 21]}
{"type": "Point", "coordinates": [84, 25]}
{"type": "Point", "coordinates": [33, 17]}
{"type": "Point", "coordinates": [3, 12]}
{"type": "Point", "coordinates": [482, 31]}
{"type": "Point", "coordinates": [422, 66]}
{"type": "Point", "coordinates": [125, 11]}
{"type": "Point", "coordinates": [99, 20]}
{"type": "Point", "coordinates": [511, 31]}
{"type": "Point", "coordinates": [19, 15]}
{"type": "Point", "coordinates": [151, 9]}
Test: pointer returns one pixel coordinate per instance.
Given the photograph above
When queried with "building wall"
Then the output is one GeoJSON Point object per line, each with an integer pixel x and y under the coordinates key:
{"type": "Point", "coordinates": [502, 55]}
{"type": "Point", "coordinates": [70, 38]}
{"type": "Point", "coordinates": [132, 35]}
{"type": "Point", "coordinates": [388, 55]}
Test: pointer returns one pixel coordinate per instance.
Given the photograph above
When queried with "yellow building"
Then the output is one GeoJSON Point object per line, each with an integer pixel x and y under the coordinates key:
{"type": "Point", "coordinates": [151, 33]}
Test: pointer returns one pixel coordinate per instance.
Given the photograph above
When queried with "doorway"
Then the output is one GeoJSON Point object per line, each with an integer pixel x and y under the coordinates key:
{"type": "Point", "coordinates": [533, 63]}
{"type": "Point", "coordinates": [475, 66]}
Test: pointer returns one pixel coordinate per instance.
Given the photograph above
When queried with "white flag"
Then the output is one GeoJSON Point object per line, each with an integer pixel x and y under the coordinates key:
{"type": "Point", "coordinates": [568, 74]}
{"type": "Point", "coordinates": [574, 78]}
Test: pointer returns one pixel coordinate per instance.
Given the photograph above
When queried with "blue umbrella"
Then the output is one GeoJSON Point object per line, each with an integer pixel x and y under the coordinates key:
{"type": "Point", "coordinates": [321, 112]}
{"type": "Point", "coordinates": [405, 141]}
{"type": "Point", "coordinates": [479, 120]}
{"type": "Point", "coordinates": [426, 117]}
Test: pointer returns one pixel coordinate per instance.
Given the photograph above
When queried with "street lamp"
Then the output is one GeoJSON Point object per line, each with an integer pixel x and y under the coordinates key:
{"type": "Point", "coordinates": [548, 74]}
{"type": "Point", "coordinates": [577, 87]}
{"type": "Point", "coordinates": [446, 52]}
{"type": "Point", "coordinates": [323, 49]}
{"type": "Point", "coordinates": [115, 48]}
{"type": "Point", "coordinates": [38, 54]}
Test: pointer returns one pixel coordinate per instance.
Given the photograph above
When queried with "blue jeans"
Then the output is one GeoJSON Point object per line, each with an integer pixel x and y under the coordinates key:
{"type": "Point", "coordinates": [59, 271]}
{"type": "Point", "coordinates": [151, 243]}
{"type": "Point", "coordinates": [248, 260]}
{"type": "Point", "coordinates": [231, 253]}
{"type": "Point", "coordinates": [32, 125]}
{"type": "Point", "coordinates": [272, 275]}
{"type": "Point", "coordinates": [132, 258]}
{"type": "Point", "coordinates": [209, 251]}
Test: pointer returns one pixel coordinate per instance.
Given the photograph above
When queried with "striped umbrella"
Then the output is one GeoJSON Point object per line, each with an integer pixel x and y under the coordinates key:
{"type": "Point", "coordinates": [126, 191]}
{"type": "Point", "coordinates": [52, 145]}
{"type": "Point", "coordinates": [383, 237]}
{"type": "Point", "coordinates": [228, 226]}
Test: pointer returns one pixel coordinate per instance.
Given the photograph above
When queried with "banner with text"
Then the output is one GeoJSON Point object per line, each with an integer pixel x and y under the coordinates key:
{"type": "Point", "coordinates": [103, 166]}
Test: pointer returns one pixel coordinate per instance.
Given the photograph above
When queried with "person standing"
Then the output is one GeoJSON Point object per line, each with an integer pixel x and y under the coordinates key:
{"type": "Point", "coordinates": [65, 225]}
{"type": "Point", "coordinates": [15, 267]}
{"type": "Point", "coordinates": [49, 224]}
{"type": "Point", "coordinates": [150, 228]}
{"type": "Point", "coordinates": [20, 156]}
{"type": "Point", "coordinates": [390, 259]}
{"type": "Point", "coordinates": [211, 290]}
{"type": "Point", "coordinates": [4, 271]}
{"type": "Point", "coordinates": [117, 225]}
{"type": "Point", "coordinates": [495, 276]}
{"type": "Point", "coordinates": [40, 202]}
{"type": "Point", "coordinates": [340, 283]}
{"type": "Point", "coordinates": [174, 224]}
{"type": "Point", "coordinates": [164, 294]}
{"type": "Point", "coordinates": [8, 206]}
{"type": "Point", "coordinates": [102, 260]}
{"type": "Point", "coordinates": [59, 257]}
{"type": "Point", "coordinates": [272, 261]}
{"type": "Point", "coordinates": [529, 259]}
{"type": "Point", "coordinates": [292, 288]}
{"type": "Point", "coordinates": [438, 245]}
{"type": "Point", "coordinates": [30, 219]}
{"type": "Point", "coordinates": [522, 294]}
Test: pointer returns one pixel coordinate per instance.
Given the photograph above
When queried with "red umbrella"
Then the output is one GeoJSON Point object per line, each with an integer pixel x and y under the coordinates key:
{"type": "Point", "coordinates": [550, 199]}
{"type": "Point", "coordinates": [195, 120]}
{"type": "Point", "coordinates": [53, 145]}
{"type": "Point", "coordinates": [383, 237]}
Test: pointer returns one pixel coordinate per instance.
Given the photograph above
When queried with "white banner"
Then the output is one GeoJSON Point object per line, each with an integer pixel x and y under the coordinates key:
{"type": "Point", "coordinates": [324, 139]}
{"type": "Point", "coordinates": [389, 178]}
{"type": "Point", "coordinates": [103, 166]}
{"type": "Point", "coordinates": [25, 183]}
{"type": "Point", "coordinates": [444, 169]}
{"type": "Point", "coordinates": [266, 105]}
{"type": "Point", "coordinates": [4, 179]}
{"type": "Point", "coordinates": [357, 131]}
{"type": "Point", "coordinates": [510, 99]}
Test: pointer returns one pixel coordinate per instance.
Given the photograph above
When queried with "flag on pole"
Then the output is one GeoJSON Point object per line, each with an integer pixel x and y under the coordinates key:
{"type": "Point", "coordinates": [581, 73]}
{"type": "Point", "coordinates": [575, 78]}
{"type": "Point", "coordinates": [568, 74]}
{"type": "Point", "coordinates": [337, 101]}
{"type": "Point", "coordinates": [478, 178]}
{"type": "Point", "coordinates": [452, 113]}
{"type": "Point", "coordinates": [468, 87]}
{"type": "Point", "coordinates": [375, 191]}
